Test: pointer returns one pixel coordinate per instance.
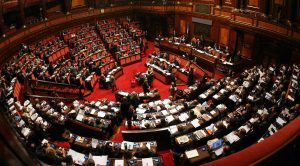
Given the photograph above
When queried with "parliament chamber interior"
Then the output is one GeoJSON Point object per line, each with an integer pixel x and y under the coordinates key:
{"type": "Point", "coordinates": [149, 82]}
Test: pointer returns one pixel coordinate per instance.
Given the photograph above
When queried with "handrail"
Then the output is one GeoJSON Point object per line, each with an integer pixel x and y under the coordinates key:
{"type": "Point", "coordinates": [261, 151]}
{"type": "Point", "coordinates": [55, 83]}
{"type": "Point", "coordinates": [50, 97]}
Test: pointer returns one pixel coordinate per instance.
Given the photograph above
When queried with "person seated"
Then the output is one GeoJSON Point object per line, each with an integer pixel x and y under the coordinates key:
{"type": "Point", "coordinates": [176, 62]}
{"type": "Point", "coordinates": [221, 129]}
{"type": "Point", "coordinates": [144, 151]}
{"type": "Point", "coordinates": [187, 66]}
{"type": "Point", "coordinates": [89, 162]}
{"type": "Point", "coordinates": [116, 152]}
{"type": "Point", "coordinates": [241, 133]}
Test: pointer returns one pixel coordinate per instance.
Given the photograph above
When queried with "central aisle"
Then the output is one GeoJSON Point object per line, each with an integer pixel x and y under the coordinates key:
{"type": "Point", "coordinates": [123, 83]}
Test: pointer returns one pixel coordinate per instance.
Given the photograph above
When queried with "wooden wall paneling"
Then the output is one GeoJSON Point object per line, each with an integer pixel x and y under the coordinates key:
{"type": "Point", "coordinates": [229, 3]}
{"type": "Point", "coordinates": [181, 22]}
{"type": "Point", "coordinates": [182, 25]}
{"type": "Point", "coordinates": [295, 55]}
{"type": "Point", "coordinates": [224, 35]}
{"type": "Point", "coordinates": [233, 40]}
{"type": "Point", "coordinates": [253, 3]}
{"type": "Point", "coordinates": [215, 31]}
{"type": "Point", "coordinates": [2, 25]}
{"type": "Point", "coordinates": [67, 5]}
{"type": "Point", "coordinates": [172, 24]}
{"type": "Point", "coordinates": [192, 34]}
{"type": "Point", "coordinates": [21, 4]}
{"type": "Point", "coordinates": [239, 42]}
{"type": "Point", "coordinates": [218, 3]}
{"type": "Point", "coordinates": [264, 6]}
{"type": "Point", "coordinates": [247, 45]}
{"type": "Point", "coordinates": [78, 3]}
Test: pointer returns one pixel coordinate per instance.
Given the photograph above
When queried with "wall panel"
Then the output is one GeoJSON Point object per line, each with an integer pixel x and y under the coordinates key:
{"type": "Point", "coordinates": [224, 36]}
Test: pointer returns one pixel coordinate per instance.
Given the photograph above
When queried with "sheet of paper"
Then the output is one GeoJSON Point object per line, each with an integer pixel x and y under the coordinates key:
{"type": "Point", "coordinates": [101, 114]}
{"type": "Point", "coordinates": [79, 117]}
{"type": "Point", "coordinates": [195, 123]}
{"type": "Point", "coordinates": [231, 138]}
{"type": "Point", "coordinates": [78, 158]}
{"type": "Point", "coordinates": [200, 134]}
{"type": "Point", "coordinates": [128, 144]}
{"type": "Point", "coordinates": [93, 111]}
{"type": "Point", "coordinates": [100, 160]}
{"type": "Point", "coordinates": [191, 153]}
{"type": "Point", "coordinates": [173, 111]}
{"type": "Point", "coordinates": [219, 151]}
{"type": "Point", "coordinates": [173, 129]}
{"type": "Point", "coordinates": [169, 118]}
{"type": "Point", "coordinates": [94, 143]}
{"type": "Point", "coordinates": [183, 117]}
{"type": "Point", "coordinates": [165, 112]}
{"type": "Point", "coordinates": [119, 162]}
{"type": "Point", "coordinates": [25, 131]}
{"type": "Point", "coordinates": [280, 121]}
{"type": "Point", "coordinates": [183, 139]}
{"type": "Point", "coordinates": [147, 162]}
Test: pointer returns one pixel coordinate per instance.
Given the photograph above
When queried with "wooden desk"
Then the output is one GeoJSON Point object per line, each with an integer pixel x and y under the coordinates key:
{"type": "Point", "coordinates": [203, 155]}
{"type": "Point", "coordinates": [182, 76]}
{"type": "Point", "coordinates": [185, 48]}
{"type": "Point", "coordinates": [82, 129]}
{"type": "Point", "coordinates": [198, 71]}
{"type": "Point", "coordinates": [157, 161]}
{"type": "Point", "coordinates": [166, 79]}
{"type": "Point", "coordinates": [208, 62]}
{"type": "Point", "coordinates": [203, 56]}
{"type": "Point", "coordinates": [121, 94]}
{"type": "Point", "coordinates": [149, 135]}
{"type": "Point", "coordinates": [118, 73]}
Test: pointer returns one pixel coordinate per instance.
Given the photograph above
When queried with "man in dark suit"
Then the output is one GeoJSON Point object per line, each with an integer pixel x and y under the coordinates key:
{"type": "Point", "coordinates": [146, 87]}
{"type": "Point", "coordinates": [191, 76]}
{"type": "Point", "coordinates": [124, 107]}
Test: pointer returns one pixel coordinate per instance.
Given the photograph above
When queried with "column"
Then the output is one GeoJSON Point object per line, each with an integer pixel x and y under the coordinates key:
{"type": "Point", "coordinates": [92, 4]}
{"type": "Point", "coordinates": [1, 18]}
{"type": "Point", "coordinates": [21, 4]}
{"type": "Point", "coordinates": [43, 9]}
{"type": "Point", "coordinates": [67, 4]}
{"type": "Point", "coordinates": [264, 7]}
{"type": "Point", "coordinates": [290, 8]}
{"type": "Point", "coordinates": [218, 3]}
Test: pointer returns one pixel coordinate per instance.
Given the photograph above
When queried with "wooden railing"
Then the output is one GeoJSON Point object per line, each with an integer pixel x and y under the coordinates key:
{"type": "Point", "coordinates": [48, 98]}
{"type": "Point", "coordinates": [39, 87]}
